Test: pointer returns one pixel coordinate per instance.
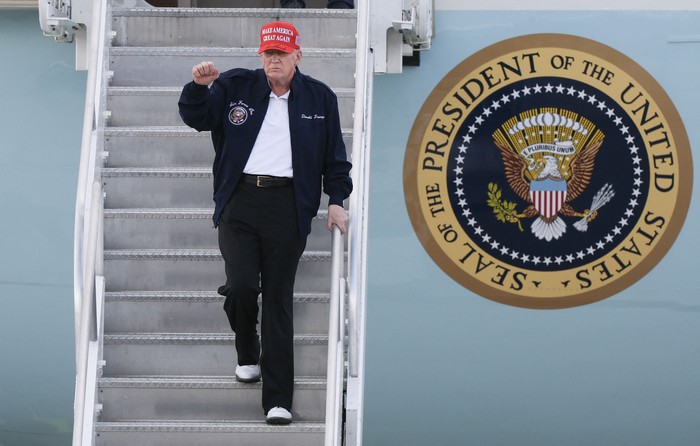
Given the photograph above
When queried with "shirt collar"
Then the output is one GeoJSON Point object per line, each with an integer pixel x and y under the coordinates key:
{"type": "Point", "coordinates": [284, 96]}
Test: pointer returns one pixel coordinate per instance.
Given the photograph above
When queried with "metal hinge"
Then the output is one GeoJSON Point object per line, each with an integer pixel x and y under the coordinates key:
{"type": "Point", "coordinates": [54, 19]}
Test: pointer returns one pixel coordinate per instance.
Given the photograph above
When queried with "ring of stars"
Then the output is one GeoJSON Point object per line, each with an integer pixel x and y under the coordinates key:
{"type": "Point", "coordinates": [528, 258]}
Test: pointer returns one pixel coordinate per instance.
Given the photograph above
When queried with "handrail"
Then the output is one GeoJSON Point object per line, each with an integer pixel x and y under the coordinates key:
{"type": "Point", "coordinates": [88, 322]}
{"type": "Point", "coordinates": [357, 232]}
{"type": "Point", "coordinates": [336, 328]}
{"type": "Point", "coordinates": [337, 317]}
{"type": "Point", "coordinates": [360, 175]}
{"type": "Point", "coordinates": [87, 248]}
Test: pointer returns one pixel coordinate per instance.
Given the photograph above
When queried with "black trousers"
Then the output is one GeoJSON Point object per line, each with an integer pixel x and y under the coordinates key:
{"type": "Point", "coordinates": [261, 247]}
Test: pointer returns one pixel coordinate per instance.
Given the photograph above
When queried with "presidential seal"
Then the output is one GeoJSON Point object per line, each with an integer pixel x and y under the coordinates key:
{"type": "Point", "coordinates": [547, 171]}
{"type": "Point", "coordinates": [238, 115]}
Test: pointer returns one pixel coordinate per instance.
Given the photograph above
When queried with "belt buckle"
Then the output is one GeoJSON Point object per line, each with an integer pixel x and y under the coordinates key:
{"type": "Point", "coordinates": [258, 178]}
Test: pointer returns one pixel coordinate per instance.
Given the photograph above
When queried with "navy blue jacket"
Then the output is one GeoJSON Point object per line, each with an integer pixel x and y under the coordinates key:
{"type": "Point", "coordinates": [233, 110]}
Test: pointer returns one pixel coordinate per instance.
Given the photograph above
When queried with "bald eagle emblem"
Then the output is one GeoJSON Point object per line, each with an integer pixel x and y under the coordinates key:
{"type": "Point", "coordinates": [238, 115]}
{"type": "Point", "coordinates": [548, 158]}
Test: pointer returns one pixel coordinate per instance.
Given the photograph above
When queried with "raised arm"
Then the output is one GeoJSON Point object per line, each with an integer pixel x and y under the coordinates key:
{"type": "Point", "coordinates": [200, 106]}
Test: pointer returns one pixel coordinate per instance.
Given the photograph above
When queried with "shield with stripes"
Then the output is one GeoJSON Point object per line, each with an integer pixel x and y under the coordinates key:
{"type": "Point", "coordinates": [548, 196]}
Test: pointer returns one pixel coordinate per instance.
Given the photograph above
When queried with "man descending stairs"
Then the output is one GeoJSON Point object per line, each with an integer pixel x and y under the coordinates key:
{"type": "Point", "coordinates": [168, 377]}
{"type": "Point", "coordinates": [277, 138]}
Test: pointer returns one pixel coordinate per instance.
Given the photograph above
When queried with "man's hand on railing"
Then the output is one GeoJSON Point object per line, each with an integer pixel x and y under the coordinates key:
{"type": "Point", "coordinates": [337, 216]}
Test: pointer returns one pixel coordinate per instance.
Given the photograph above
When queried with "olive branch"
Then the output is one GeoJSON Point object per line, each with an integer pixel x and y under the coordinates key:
{"type": "Point", "coordinates": [504, 210]}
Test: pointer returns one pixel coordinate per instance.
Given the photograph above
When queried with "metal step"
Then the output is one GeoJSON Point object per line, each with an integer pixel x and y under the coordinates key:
{"type": "Point", "coordinates": [201, 398]}
{"type": "Point", "coordinates": [195, 354]}
{"type": "Point", "coordinates": [172, 67]}
{"type": "Point", "coordinates": [176, 146]}
{"type": "Point", "coordinates": [159, 228]}
{"type": "Point", "coordinates": [196, 312]}
{"type": "Point", "coordinates": [196, 269]}
{"type": "Point", "coordinates": [190, 433]}
{"type": "Point", "coordinates": [153, 187]}
{"type": "Point", "coordinates": [163, 228]}
{"type": "Point", "coordinates": [157, 106]}
{"type": "Point", "coordinates": [320, 4]}
{"type": "Point", "coordinates": [237, 27]}
{"type": "Point", "coordinates": [158, 187]}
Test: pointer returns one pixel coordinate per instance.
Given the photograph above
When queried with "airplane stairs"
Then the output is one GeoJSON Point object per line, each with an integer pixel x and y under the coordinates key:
{"type": "Point", "coordinates": [169, 357]}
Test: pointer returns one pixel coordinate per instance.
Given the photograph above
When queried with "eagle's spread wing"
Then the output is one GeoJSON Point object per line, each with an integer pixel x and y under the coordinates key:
{"type": "Point", "coordinates": [582, 169]}
{"type": "Point", "coordinates": [514, 168]}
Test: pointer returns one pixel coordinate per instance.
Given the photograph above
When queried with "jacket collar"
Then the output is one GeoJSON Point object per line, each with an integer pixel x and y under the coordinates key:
{"type": "Point", "coordinates": [263, 89]}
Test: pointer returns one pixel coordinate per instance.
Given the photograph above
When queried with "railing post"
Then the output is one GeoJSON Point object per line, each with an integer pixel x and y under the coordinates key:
{"type": "Point", "coordinates": [88, 323]}
{"type": "Point", "coordinates": [335, 343]}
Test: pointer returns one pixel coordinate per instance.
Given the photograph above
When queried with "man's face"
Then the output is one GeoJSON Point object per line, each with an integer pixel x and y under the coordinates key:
{"type": "Point", "coordinates": [279, 66]}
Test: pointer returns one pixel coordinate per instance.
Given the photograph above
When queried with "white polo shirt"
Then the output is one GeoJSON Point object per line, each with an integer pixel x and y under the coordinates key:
{"type": "Point", "coordinates": [272, 151]}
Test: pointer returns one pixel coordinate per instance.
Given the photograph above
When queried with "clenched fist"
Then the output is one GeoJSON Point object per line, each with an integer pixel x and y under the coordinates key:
{"type": "Point", "coordinates": [204, 73]}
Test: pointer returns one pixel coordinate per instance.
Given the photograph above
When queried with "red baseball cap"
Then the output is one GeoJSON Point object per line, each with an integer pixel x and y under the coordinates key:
{"type": "Point", "coordinates": [281, 36]}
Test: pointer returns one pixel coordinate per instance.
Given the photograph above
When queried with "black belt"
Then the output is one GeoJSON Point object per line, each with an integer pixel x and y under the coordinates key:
{"type": "Point", "coordinates": [266, 180]}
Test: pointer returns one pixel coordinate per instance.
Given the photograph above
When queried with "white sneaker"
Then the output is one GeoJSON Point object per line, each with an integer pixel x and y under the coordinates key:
{"type": "Point", "coordinates": [248, 373]}
{"type": "Point", "coordinates": [279, 415]}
